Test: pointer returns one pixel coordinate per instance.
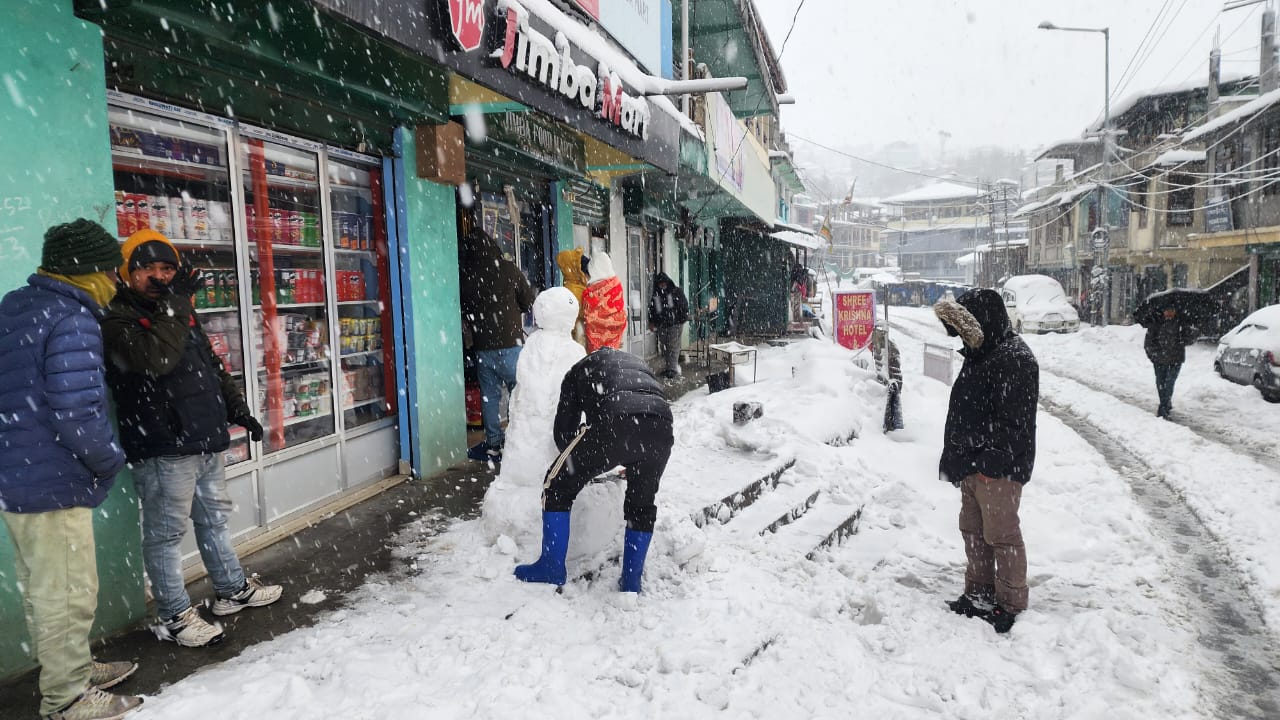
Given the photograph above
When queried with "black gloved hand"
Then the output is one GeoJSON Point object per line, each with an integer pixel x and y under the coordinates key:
{"type": "Point", "coordinates": [248, 422]}
{"type": "Point", "coordinates": [186, 281]}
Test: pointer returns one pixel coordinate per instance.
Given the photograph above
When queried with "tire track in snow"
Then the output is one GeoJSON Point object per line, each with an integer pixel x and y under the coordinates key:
{"type": "Point", "coordinates": [1242, 672]}
{"type": "Point", "coordinates": [1255, 448]}
{"type": "Point", "coordinates": [1245, 662]}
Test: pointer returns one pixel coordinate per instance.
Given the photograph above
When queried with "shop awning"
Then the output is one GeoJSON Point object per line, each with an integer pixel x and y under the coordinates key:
{"type": "Point", "coordinates": [800, 239]}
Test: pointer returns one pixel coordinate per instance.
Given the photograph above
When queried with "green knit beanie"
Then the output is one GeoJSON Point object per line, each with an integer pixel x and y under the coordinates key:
{"type": "Point", "coordinates": [79, 248]}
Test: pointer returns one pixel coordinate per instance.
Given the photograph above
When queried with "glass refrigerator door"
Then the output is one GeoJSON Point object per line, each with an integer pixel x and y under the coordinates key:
{"type": "Point", "coordinates": [172, 176]}
{"type": "Point", "coordinates": [290, 322]}
{"type": "Point", "coordinates": [363, 292]}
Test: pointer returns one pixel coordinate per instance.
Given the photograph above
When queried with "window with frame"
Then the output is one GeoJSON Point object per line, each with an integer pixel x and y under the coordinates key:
{"type": "Point", "coordinates": [1138, 201]}
{"type": "Point", "coordinates": [1182, 200]}
{"type": "Point", "coordinates": [1271, 156]}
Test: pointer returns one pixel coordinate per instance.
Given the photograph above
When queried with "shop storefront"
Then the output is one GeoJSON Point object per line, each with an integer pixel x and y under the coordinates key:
{"type": "Point", "coordinates": [271, 153]}
{"type": "Point", "coordinates": [291, 235]}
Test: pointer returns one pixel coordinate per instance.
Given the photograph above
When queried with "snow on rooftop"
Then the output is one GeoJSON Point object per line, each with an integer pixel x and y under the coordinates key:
{"type": "Point", "coordinates": [1243, 112]}
{"type": "Point", "coordinates": [799, 238]}
{"type": "Point", "coordinates": [936, 191]}
{"type": "Point", "coordinates": [1127, 103]}
{"type": "Point", "coordinates": [1180, 157]}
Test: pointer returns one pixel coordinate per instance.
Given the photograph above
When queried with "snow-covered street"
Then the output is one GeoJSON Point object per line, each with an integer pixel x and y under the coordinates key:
{"type": "Point", "coordinates": [736, 621]}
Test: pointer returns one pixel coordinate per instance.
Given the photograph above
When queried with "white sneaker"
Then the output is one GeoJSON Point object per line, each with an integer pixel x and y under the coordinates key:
{"type": "Point", "coordinates": [95, 704]}
{"type": "Point", "coordinates": [254, 594]}
{"type": "Point", "coordinates": [188, 629]}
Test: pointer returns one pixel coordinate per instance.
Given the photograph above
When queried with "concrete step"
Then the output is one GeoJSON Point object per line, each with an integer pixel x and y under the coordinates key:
{"type": "Point", "coordinates": [733, 503]}
{"type": "Point", "coordinates": [827, 524]}
{"type": "Point", "coordinates": [784, 505]}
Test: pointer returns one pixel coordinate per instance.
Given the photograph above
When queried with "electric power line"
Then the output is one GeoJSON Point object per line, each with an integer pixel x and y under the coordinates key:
{"type": "Point", "coordinates": [851, 156]}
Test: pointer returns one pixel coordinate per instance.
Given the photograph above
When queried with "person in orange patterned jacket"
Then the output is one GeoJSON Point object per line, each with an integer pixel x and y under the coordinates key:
{"type": "Point", "coordinates": [605, 310]}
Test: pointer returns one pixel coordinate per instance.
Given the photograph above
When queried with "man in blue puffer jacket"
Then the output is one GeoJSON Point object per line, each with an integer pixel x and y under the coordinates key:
{"type": "Point", "coordinates": [58, 460]}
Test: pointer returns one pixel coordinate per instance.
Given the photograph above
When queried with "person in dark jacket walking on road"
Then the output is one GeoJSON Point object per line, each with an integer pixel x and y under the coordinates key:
{"type": "Point", "coordinates": [988, 452]}
{"type": "Point", "coordinates": [668, 312]}
{"type": "Point", "coordinates": [627, 423]}
{"type": "Point", "coordinates": [495, 297]}
{"type": "Point", "coordinates": [58, 460]}
{"type": "Point", "coordinates": [1166, 345]}
{"type": "Point", "coordinates": [174, 402]}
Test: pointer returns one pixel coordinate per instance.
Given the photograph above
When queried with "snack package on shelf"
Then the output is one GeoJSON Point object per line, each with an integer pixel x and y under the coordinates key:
{"type": "Point", "coordinates": [158, 207]}
{"type": "Point", "coordinates": [123, 222]}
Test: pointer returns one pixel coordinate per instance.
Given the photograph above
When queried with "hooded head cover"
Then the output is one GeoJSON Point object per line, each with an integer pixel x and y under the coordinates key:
{"type": "Point", "coordinates": [79, 248]}
{"type": "Point", "coordinates": [601, 267]}
{"type": "Point", "coordinates": [978, 317]}
{"type": "Point", "coordinates": [146, 246]}
{"type": "Point", "coordinates": [556, 309]}
{"type": "Point", "coordinates": [571, 268]}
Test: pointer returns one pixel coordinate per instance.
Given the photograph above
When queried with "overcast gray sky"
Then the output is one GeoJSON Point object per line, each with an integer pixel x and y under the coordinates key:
{"type": "Point", "coordinates": [875, 72]}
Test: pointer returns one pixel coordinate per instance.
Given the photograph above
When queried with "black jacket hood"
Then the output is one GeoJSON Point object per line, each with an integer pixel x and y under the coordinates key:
{"type": "Point", "coordinates": [988, 309]}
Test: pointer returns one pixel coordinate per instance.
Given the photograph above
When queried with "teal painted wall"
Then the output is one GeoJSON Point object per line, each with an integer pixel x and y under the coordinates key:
{"type": "Point", "coordinates": [56, 166]}
{"type": "Point", "coordinates": [564, 229]}
{"type": "Point", "coordinates": [432, 242]}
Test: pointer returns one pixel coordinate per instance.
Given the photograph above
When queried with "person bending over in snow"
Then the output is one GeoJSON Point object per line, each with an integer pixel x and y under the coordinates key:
{"type": "Point", "coordinates": [989, 448]}
{"type": "Point", "coordinates": [628, 423]}
{"type": "Point", "coordinates": [604, 308]}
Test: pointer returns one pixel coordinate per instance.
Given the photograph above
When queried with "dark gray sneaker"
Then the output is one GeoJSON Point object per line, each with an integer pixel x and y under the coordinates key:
{"type": "Point", "coordinates": [972, 606]}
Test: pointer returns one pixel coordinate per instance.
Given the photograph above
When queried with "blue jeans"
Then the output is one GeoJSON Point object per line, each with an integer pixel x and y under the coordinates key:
{"type": "Point", "coordinates": [497, 369]}
{"type": "Point", "coordinates": [1166, 376]}
{"type": "Point", "coordinates": [173, 488]}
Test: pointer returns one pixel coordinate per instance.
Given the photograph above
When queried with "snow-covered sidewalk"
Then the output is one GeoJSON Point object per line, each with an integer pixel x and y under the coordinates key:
{"type": "Point", "coordinates": [737, 623]}
{"type": "Point", "coordinates": [1221, 452]}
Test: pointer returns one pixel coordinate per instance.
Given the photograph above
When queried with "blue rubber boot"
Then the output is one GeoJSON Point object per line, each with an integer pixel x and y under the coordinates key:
{"type": "Point", "coordinates": [555, 545]}
{"type": "Point", "coordinates": [635, 547]}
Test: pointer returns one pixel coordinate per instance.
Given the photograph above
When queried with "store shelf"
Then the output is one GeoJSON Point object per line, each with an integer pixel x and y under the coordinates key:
{"type": "Point", "coordinates": [349, 303]}
{"type": "Point", "coordinates": [180, 242]}
{"type": "Point", "coordinates": [282, 181]}
{"type": "Point", "coordinates": [296, 248]}
{"type": "Point", "coordinates": [363, 403]}
{"type": "Point", "coordinates": [350, 188]}
{"type": "Point", "coordinates": [300, 367]}
{"type": "Point", "coordinates": [207, 311]}
{"type": "Point", "coordinates": [352, 251]}
{"type": "Point", "coordinates": [362, 353]}
{"type": "Point", "coordinates": [292, 306]}
{"type": "Point", "coordinates": [298, 419]}
{"type": "Point", "coordinates": [122, 160]}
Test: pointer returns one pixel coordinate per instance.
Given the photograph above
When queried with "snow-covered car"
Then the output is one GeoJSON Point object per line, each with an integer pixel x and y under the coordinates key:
{"type": "Point", "coordinates": [1250, 353]}
{"type": "Point", "coordinates": [1037, 304]}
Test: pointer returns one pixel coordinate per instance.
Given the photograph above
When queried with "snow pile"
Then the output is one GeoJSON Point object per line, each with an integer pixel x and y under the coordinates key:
{"type": "Point", "coordinates": [737, 621]}
{"type": "Point", "coordinates": [512, 503]}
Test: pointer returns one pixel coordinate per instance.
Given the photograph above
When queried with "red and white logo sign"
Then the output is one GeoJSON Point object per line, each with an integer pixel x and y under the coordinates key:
{"type": "Point", "coordinates": [466, 18]}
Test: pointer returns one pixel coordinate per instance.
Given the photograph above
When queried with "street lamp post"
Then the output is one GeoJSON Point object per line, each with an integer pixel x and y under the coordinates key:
{"type": "Point", "coordinates": [1104, 201]}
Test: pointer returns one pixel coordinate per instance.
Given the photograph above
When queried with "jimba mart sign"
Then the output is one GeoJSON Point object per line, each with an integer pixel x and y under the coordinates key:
{"type": "Point", "coordinates": [466, 20]}
{"type": "Point", "coordinates": [527, 52]}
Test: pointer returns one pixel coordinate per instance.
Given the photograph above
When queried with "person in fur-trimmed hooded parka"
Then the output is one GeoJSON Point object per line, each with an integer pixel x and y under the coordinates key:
{"type": "Point", "coordinates": [988, 452]}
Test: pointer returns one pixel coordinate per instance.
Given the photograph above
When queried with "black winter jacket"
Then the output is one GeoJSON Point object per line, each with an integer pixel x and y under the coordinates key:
{"type": "Point", "coordinates": [495, 294]}
{"type": "Point", "coordinates": [991, 419]}
{"type": "Point", "coordinates": [609, 386]}
{"type": "Point", "coordinates": [173, 397]}
{"type": "Point", "coordinates": [1166, 341]}
{"type": "Point", "coordinates": [669, 307]}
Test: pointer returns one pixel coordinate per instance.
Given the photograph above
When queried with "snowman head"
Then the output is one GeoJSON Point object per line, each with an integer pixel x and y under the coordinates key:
{"type": "Point", "coordinates": [556, 309]}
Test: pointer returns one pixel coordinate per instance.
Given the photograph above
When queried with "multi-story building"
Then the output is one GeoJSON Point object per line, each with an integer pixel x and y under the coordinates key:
{"type": "Point", "coordinates": [928, 229]}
